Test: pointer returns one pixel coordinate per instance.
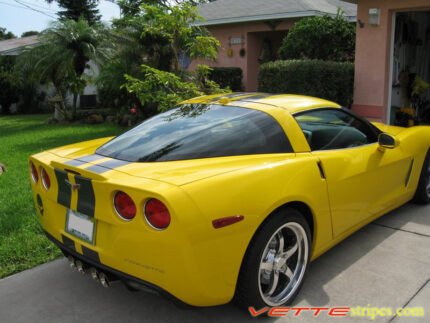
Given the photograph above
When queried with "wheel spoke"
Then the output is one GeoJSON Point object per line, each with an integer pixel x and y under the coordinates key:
{"type": "Point", "coordinates": [289, 273]}
{"type": "Point", "coordinates": [274, 284]}
{"type": "Point", "coordinates": [281, 243]}
{"type": "Point", "coordinates": [291, 251]}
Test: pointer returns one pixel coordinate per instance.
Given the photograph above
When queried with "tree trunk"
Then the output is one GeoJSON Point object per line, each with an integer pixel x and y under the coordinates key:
{"type": "Point", "coordinates": [61, 104]}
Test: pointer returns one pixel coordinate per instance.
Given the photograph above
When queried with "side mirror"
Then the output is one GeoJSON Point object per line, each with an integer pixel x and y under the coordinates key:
{"type": "Point", "coordinates": [387, 141]}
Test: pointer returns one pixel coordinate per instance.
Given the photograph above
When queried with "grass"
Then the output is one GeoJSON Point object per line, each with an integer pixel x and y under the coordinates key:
{"type": "Point", "coordinates": [22, 243]}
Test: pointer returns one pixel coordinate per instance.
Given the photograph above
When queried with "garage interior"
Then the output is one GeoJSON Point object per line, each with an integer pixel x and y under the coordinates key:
{"type": "Point", "coordinates": [410, 93]}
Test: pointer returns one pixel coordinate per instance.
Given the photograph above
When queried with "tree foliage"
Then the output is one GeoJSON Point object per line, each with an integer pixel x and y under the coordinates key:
{"type": "Point", "coordinates": [75, 9]}
{"type": "Point", "coordinates": [9, 84]}
{"type": "Point", "coordinates": [30, 33]}
{"type": "Point", "coordinates": [160, 88]}
{"type": "Point", "coordinates": [132, 7]}
{"type": "Point", "coordinates": [172, 30]}
{"type": "Point", "coordinates": [4, 34]}
{"type": "Point", "coordinates": [63, 55]}
{"type": "Point", "coordinates": [324, 38]}
{"type": "Point", "coordinates": [155, 36]}
{"type": "Point", "coordinates": [164, 90]}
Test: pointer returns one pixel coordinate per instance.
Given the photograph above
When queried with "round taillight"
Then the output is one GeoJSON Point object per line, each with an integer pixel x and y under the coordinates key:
{"type": "Point", "coordinates": [124, 206]}
{"type": "Point", "coordinates": [46, 181]}
{"type": "Point", "coordinates": [157, 214]}
{"type": "Point", "coordinates": [34, 174]}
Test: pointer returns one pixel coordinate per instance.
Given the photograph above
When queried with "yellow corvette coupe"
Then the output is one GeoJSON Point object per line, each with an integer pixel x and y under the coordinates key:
{"type": "Point", "coordinates": [226, 196]}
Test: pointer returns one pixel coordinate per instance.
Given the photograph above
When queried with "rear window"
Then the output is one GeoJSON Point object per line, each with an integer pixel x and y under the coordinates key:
{"type": "Point", "coordinates": [199, 131]}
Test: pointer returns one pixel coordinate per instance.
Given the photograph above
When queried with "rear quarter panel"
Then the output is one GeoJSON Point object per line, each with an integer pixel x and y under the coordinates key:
{"type": "Point", "coordinates": [255, 193]}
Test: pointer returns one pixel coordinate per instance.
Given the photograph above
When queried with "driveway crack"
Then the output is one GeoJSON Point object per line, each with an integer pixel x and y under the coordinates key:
{"type": "Point", "coordinates": [403, 230]}
{"type": "Point", "coordinates": [411, 298]}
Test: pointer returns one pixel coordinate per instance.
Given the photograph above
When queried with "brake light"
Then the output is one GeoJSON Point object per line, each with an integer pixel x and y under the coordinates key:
{"type": "Point", "coordinates": [124, 206]}
{"type": "Point", "coordinates": [34, 174]}
{"type": "Point", "coordinates": [46, 181]}
{"type": "Point", "coordinates": [157, 215]}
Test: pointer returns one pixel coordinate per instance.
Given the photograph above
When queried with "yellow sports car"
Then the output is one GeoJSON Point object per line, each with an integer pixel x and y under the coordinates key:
{"type": "Point", "coordinates": [226, 196]}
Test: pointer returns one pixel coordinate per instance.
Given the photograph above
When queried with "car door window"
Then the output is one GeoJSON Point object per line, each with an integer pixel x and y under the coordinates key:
{"type": "Point", "coordinates": [328, 129]}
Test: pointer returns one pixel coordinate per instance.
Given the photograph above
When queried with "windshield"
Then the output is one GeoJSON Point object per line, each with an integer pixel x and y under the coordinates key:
{"type": "Point", "coordinates": [199, 131]}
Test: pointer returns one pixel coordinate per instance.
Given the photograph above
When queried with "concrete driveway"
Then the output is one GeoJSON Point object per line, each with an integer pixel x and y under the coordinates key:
{"type": "Point", "coordinates": [386, 264]}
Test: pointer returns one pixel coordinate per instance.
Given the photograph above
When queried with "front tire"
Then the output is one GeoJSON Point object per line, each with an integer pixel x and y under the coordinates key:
{"type": "Point", "coordinates": [422, 195]}
{"type": "Point", "coordinates": [276, 261]}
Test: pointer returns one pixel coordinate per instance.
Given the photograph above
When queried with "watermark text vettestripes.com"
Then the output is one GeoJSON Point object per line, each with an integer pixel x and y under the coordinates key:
{"type": "Point", "coordinates": [338, 311]}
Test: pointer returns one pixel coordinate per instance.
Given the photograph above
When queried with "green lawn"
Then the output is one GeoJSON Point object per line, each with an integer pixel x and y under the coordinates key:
{"type": "Point", "coordinates": [22, 243]}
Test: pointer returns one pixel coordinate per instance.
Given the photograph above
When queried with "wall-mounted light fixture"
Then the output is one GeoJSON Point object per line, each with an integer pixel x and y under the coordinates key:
{"type": "Point", "coordinates": [360, 23]}
{"type": "Point", "coordinates": [374, 16]}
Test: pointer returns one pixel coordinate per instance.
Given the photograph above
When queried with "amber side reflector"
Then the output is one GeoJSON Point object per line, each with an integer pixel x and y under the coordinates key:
{"type": "Point", "coordinates": [223, 222]}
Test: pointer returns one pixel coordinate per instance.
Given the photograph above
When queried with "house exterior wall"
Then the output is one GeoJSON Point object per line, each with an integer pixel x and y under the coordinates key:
{"type": "Point", "coordinates": [373, 56]}
{"type": "Point", "coordinates": [253, 34]}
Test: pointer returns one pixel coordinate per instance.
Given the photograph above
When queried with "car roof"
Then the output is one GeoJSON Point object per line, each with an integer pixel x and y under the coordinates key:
{"type": "Point", "coordinates": [290, 102]}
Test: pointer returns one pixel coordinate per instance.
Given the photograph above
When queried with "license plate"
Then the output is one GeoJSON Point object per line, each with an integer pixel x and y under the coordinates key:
{"type": "Point", "coordinates": [80, 225]}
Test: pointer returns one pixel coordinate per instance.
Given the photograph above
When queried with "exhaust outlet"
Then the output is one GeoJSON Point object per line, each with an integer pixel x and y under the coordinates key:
{"type": "Point", "coordinates": [72, 262]}
{"type": "Point", "coordinates": [80, 266]}
{"type": "Point", "coordinates": [104, 279]}
{"type": "Point", "coordinates": [94, 274]}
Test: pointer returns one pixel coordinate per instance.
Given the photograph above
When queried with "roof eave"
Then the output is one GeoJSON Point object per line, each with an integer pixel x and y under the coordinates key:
{"type": "Point", "coordinates": [277, 16]}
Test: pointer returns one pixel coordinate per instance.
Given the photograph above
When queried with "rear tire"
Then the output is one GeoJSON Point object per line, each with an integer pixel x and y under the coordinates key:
{"type": "Point", "coordinates": [276, 261]}
{"type": "Point", "coordinates": [422, 195]}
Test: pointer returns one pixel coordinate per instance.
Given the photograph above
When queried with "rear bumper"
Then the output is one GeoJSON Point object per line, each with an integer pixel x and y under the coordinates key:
{"type": "Point", "coordinates": [92, 259]}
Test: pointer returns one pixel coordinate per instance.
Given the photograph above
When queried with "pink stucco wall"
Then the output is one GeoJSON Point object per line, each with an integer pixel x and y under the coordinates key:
{"type": "Point", "coordinates": [373, 50]}
{"type": "Point", "coordinates": [253, 34]}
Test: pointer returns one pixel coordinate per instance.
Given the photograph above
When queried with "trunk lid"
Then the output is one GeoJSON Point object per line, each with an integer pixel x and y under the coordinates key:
{"type": "Point", "coordinates": [81, 158]}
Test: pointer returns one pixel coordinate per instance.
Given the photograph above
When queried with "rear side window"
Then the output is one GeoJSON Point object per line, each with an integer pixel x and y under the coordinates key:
{"type": "Point", "coordinates": [200, 131]}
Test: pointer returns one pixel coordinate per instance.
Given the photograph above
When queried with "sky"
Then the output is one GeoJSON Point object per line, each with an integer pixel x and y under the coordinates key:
{"type": "Point", "coordinates": [17, 18]}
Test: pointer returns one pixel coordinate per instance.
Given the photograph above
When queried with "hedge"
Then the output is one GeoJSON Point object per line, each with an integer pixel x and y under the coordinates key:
{"type": "Point", "coordinates": [333, 81]}
{"type": "Point", "coordinates": [227, 77]}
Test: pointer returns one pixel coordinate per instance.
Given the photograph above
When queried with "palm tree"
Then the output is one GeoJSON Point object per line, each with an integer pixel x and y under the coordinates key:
{"type": "Point", "coordinates": [63, 55]}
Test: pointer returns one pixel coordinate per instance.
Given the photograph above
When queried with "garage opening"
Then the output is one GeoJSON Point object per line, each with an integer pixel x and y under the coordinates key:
{"type": "Point", "coordinates": [410, 93]}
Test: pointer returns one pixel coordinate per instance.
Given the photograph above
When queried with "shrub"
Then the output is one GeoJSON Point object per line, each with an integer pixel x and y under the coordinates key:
{"type": "Point", "coordinates": [323, 38]}
{"type": "Point", "coordinates": [230, 77]}
{"type": "Point", "coordinates": [329, 80]}
{"type": "Point", "coordinates": [159, 88]}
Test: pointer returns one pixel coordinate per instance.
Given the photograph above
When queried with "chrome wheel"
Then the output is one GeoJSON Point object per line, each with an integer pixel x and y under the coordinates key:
{"type": "Point", "coordinates": [283, 264]}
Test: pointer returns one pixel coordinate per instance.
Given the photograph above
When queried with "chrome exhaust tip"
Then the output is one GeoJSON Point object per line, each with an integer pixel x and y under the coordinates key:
{"type": "Point", "coordinates": [72, 262]}
{"type": "Point", "coordinates": [94, 274]}
{"type": "Point", "coordinates": [104, 279]}
{"type": "Point", "coordinates": [80, 266]}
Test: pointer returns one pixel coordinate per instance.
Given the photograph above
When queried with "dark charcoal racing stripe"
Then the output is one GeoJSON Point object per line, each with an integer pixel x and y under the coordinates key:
{"type": "Point", "coordinates": [256, 97]}
{"type": "Point", "coordinates": [69, 243]}
{"type": "Point", "coordinates": [107, 165]}
{"type": "Point", "coordinates": [86, 197]}
{"type": "Point", "coordinates": [75, 162]}
{"type": "Point", "coordinates": [91, 158]}
{"type": "Point", "coordinates": [84, 160]}
{"type": "Point", "coordinates": [97, 169]}
{"type": "Point", "coordinates": [93, 255]}
{"type": "Point", "coordinates": [228, 96]}
{"type": "Point", "coordinates": [64, 196]}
